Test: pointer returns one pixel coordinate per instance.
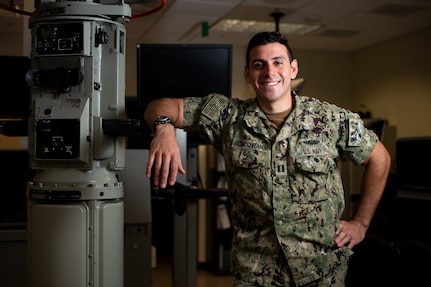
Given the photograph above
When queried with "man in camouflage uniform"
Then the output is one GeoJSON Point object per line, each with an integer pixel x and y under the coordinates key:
{"type": "Point", "coordinates": [280, 152]}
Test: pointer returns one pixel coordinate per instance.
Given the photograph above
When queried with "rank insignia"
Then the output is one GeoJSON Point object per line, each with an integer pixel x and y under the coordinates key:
{"type": "Point", "coordinates": [356, 130]}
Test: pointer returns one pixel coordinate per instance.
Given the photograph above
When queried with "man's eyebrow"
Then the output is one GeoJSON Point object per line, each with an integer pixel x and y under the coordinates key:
{"type": "Point", "coordinates": [258, 60]}
{"type": "Point", "coordinates": [273, 58]}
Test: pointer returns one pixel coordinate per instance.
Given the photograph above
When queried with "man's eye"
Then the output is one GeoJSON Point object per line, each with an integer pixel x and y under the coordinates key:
{"type": "Point", "coordinates": [258, 65]}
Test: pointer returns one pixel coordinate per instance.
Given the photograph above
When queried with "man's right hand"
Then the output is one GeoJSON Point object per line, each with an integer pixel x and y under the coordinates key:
{"type": "Point", "coordinates": [164, 156]}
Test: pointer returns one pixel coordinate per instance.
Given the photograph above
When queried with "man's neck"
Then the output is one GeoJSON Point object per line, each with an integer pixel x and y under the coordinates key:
{"type": "Point", "coordinates": [278, 106]}
{"type": "Point", "coordinates": [277, 119]}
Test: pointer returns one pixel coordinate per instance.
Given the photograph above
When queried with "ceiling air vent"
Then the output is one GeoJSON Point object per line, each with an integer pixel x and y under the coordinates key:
{"type": "Point", "coordinates": [396, 10]}
{"type": "Point", "coordinates": [338, 33]}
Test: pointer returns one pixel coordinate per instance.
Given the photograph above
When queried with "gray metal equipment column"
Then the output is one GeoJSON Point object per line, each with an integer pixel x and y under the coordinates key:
{"type": "Point", "coordinates": [75, 201]}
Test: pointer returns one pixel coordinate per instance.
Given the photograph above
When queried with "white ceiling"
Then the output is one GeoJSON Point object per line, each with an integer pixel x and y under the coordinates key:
{"type": "Point", "coordinates": [347, 25]}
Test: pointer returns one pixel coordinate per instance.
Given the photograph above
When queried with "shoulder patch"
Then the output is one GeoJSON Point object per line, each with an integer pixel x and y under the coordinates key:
{"type": "Point", "coordinates": [211, 110]}
{"type": "Point", "coordinates": [356, 132]}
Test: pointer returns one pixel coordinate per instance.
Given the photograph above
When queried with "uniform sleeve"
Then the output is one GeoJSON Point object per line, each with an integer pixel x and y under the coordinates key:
{"type": "Point", "coordinates": [356, 141]}
{"type": "Point", "coordinates": [205, 115]}
{"type": "Point", "coordinates": [192, 110]}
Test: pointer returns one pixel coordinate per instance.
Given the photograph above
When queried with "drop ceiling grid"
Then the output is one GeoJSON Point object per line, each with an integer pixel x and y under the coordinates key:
{"type": "Point", "coordinates": [280, 4]}
{"type": "Point", "coordinates": [222, 37]}
{"type": "Point", "coordinates": [184, 16]}
{"type": "Point", "coordinates": [202, 8]}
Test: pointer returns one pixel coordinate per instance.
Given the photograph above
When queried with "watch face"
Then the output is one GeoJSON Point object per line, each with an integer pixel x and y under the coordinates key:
{"type": "Point", "coordinates": [162, 119]}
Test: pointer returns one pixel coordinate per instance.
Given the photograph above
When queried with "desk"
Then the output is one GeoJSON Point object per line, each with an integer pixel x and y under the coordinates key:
{"type": "Point", "coordinates": [185, 229]}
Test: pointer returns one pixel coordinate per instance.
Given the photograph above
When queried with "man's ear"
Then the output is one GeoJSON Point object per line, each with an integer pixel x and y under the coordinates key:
{"type": "Point", "coordinates": [294, 68]}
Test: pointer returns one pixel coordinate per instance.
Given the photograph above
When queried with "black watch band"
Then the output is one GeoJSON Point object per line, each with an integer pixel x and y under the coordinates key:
{"type": "Point", "coordinates": [161, 120]}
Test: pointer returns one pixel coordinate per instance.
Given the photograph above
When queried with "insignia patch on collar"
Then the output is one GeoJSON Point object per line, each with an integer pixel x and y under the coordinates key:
{"type": "Point", "coordinates": [356, 130]}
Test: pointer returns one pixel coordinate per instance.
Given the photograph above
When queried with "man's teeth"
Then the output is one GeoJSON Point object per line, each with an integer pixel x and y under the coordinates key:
{"type": "Point", "coordinates": [270, 83]}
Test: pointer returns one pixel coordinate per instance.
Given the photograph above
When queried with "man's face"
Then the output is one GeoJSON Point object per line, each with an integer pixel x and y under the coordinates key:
{"type": "Point", "coordinates": [270, 72]}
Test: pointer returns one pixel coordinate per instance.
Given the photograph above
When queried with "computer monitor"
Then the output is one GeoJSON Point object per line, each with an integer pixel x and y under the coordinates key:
{"type": "Point", "coordinates": [15, 93]}
{"type": "Point", "coordinates": [183, 70]}
{"type": "Point", "coordinates": [413, 157]}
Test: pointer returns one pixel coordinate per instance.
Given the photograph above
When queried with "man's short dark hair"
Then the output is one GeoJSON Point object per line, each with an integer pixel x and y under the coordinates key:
{"type": "Point", "coordinates": [264, 38]}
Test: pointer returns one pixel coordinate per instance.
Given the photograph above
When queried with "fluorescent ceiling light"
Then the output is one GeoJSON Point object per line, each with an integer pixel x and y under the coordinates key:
{"type": "Point", "coordinates": [235, 25]}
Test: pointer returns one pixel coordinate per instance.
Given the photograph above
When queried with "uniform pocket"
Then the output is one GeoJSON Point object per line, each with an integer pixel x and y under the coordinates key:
{"type": "Point", "coordinates": [249, 174]}
{"type": "Point", "coordinates": [313, 164]}
{"type": "Point", "coordinates": [310, 178]}
{"type": "Point", "coordinates": [314, 207]}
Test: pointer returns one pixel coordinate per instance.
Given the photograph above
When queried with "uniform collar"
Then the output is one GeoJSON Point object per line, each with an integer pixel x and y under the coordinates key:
{"type": "Point", "coordinates": [301, 118]}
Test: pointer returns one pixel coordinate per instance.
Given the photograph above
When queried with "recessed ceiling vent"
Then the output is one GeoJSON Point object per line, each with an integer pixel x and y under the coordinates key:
{"type": "Point", "coordinates": [338, 33]}
{"type": "Point", "coordinates": [396, 10]}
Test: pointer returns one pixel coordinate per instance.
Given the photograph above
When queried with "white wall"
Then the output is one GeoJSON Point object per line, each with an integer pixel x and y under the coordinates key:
{"type": "Point", "coordinates": [328, 76]}
{"type": "Point", "coordinates": [394, 80]}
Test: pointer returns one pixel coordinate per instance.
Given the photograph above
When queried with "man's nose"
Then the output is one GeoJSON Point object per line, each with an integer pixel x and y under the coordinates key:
{"type": "Point", "coordinates": [269, 69]}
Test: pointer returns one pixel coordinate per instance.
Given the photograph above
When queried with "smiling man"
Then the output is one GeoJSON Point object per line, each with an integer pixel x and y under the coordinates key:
{"type": "Point", "coordinates": [280, 151]}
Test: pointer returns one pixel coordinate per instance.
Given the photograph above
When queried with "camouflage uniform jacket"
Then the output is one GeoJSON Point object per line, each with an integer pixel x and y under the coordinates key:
{"type": "Point", "coordinates": [286, 192]}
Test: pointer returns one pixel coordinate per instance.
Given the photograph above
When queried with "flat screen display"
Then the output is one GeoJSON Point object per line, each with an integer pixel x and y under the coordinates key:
{"type": "Point", "coordinates": [413, 157]}
{"type": "Point", "coordinates": [15, 93]}
{"type": "Point", "coordinates": [183, 70]}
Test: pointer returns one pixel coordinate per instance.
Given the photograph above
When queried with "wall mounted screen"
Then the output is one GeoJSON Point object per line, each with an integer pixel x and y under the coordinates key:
{"type": "Point", "coordinates": [183, 70]}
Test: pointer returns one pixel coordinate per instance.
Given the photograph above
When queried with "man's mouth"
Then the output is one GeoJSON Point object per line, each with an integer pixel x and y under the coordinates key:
{"type": "Point", "coordinates": [271, 83]}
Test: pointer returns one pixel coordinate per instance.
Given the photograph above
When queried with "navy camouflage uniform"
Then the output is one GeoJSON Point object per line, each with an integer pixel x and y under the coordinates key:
{"type": "Point", "coordinates": [286, 192]}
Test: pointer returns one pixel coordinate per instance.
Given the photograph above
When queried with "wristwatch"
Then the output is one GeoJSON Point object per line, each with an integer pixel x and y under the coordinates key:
{"type": "Point", "coordinates": [161, 120]}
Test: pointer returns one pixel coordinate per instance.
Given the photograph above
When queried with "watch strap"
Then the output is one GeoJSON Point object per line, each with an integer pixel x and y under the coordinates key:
{"type": "Point", "coordinates": [161, 120]}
